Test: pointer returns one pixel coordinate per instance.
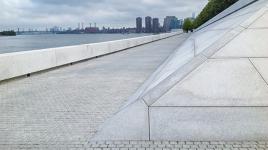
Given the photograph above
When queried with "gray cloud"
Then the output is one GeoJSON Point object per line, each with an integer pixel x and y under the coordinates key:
{"type": "Point", "coordinates": [81, 3]}
{"type": "Point", "coordinates": [115, 13]}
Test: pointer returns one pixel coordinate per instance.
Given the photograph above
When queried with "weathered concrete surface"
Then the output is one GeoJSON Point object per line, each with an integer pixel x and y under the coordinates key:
{"type": "Point", "coordinates": [66, 105]}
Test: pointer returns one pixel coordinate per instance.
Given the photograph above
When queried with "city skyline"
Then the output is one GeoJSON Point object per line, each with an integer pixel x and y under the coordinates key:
{"type": "Point", "coordinates": [143, 25]}
{"type": "Point", "coordinates": [41, 14]}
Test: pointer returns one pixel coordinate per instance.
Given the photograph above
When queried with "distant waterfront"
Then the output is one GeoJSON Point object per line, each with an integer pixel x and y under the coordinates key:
{"type": "Point", "coordinates": [35, 42]}
{"type": "Point", "coordinates": [8, 33]}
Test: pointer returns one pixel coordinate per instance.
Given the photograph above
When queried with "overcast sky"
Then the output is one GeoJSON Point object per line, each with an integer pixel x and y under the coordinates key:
{"type": "Point", "coordinates": [113, 13]}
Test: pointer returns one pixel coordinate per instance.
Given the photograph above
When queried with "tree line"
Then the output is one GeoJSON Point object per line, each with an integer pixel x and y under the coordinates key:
{"type": "Point", "coordinates": [213, 8]}
{"type": "Point", "coordinates": [8, 33]}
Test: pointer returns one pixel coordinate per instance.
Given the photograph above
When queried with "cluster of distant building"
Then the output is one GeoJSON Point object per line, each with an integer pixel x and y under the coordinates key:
{"type": "Point", "coordinates": [90, 29]}
{"type": "Point", "coordinates": [152, 25]}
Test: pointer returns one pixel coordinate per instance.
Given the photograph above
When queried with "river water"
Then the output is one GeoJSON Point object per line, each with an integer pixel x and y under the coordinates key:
{"type": "Point", "coordinates": [9, 44]}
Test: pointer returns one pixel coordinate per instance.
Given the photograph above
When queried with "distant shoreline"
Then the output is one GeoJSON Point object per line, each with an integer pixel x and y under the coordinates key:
{"type": "Point", "coordinates": [49, 33]}
{"type": "Point", "coordinates": [8, 33]}
{"type": "Point", "coordinates": [35, 42]}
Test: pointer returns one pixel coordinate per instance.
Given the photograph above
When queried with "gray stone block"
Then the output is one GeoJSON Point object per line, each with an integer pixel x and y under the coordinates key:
{"type": "Point", "coordinates": [209, 123]}
{"type": "Point", "coordinates": [231, 82]}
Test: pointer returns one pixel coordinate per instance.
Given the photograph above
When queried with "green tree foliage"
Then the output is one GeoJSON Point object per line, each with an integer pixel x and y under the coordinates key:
{"type": "Point", "coordinates": [213, 8]}
{"type": "Point", "coordinates": [8, 33]}
{"type": "Point", "coordinates": [187, 25]}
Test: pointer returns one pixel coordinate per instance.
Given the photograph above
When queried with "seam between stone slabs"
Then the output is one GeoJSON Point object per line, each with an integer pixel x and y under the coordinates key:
{"type": "Point", "coordinates": [258, 28]}
{"type": "Point", "coordinates": [213, 53]}
{"type": "Point", "coordinates": [219, 29]}
{"type": "Point", "coordinates": [194, 47]}
{"type": "Point", "coordinates": [112, 116]}
{"type": "Point", "coordinates": [246, 13]}
{"type": "Point", "coordinates": [250, 12]}
{"type": "Point", "coordinates": [228, 14]}
{"type": "Point", "coordinates": [149, 123]}
{"type": "Point", "coordinates": [162, 65]}
{"type": "Point", "coordinates": [212, 30]}
{"type": "Point", "coordinates": [229, 58]}
{"type": "Point", "coordinates": [217, 49]}
{"type": "Point", "coordinates": [216, 106]}
{"type": "Point", "coordinates": [149, 79]}
{"type": "Point", "coordinates": [235, 57]}
{"type": "Point", "coordinates": [152, 76]}
{"type": "Point", "coordinates": [195, 69]}
{"type": "Point", "coordinates": [148, 120]}
{"type": "Point", "coordinates": [109, 119]}
{"type": "Point", "coordinates": [171, 87]}
{"type": "Point", "coordinates": [256, 17]}
{"type": "Point", "coordinates": [224, 44]}
{"type": "Point", "coordinates": [145, 102]}
{"type": "Point", "coordinates": [222, 29]}
{"type": "Point", "coordinates": [258, 71]}
{"type": "Point", "coordinates": [204, 55]}
{"type": "Point", "coordinates": [178, 80]}
{"type": "Point", "coordinates": [244, 28]}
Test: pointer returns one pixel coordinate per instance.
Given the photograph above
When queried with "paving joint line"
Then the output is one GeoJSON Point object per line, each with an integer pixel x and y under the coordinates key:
{"type": "Point", "coordinates": [236, 57]}
{"type": "Point", "coordinates": [229, 14]}
{"type": "Point", "coordinates": [258, 28]}
{"type": "Point", "coordinates": [145, 102]}
{"type": "Point", "coordinates": [149, 123]}
{"type": "Point", "coordinates": [227, 58]}
{"type": "Point", "coordinates": [156, 71]}
{"type": "Point", "coordinates": [163, 64]}
{"type": "Point", "coordinates": [257, 18]}
{"type": "Point", "coordinates": [224, 44]}
{"type": "Point", "coordinates": [177, 81]}
{"type": "Point", "coordinates": [258, 71]}
{"type": "Point", "coordinates": [243, 27]}
{"type": "Point", "coordinates": [216, 106]}
{"type": "Point", "coordinates": [194, 47]}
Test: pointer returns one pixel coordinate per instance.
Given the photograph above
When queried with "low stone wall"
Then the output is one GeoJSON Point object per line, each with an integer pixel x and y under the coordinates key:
{"type": "Point", "coordinates": [26, 62]}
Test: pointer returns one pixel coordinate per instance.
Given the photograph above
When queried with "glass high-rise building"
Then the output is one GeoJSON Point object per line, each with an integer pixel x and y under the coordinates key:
{"type": "Point", "coordinates": [171, 22]}
{"type": "Point", "coordinates": [156, 25]}
{"type": "Point", "coordinates": [139, 25]}
{"type": "Point", "coordinates": [148, 24]}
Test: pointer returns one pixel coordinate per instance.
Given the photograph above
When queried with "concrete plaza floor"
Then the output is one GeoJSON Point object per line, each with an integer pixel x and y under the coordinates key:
{"type": "Point", "coordinates": [67, 105]}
